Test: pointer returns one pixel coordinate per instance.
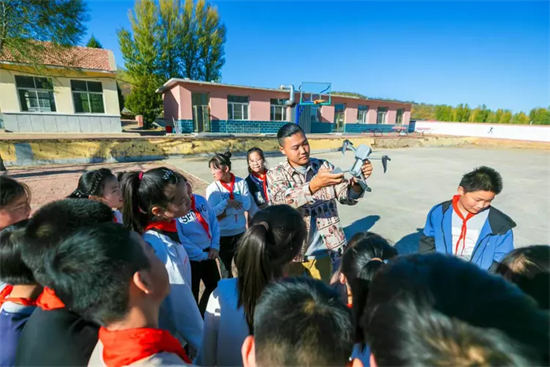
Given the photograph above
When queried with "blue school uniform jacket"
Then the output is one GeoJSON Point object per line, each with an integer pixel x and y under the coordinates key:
{"type": "Point", "coordinates": [496, 238]}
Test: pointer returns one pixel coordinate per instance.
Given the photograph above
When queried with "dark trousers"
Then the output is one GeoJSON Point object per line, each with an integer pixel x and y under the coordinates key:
{"type": "Point", "coordinates": [208, 272]}
{"type": "Point", "coordinates": [228, 248]}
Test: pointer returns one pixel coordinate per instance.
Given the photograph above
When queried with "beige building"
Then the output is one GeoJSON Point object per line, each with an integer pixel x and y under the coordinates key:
{"type": "Point", "coordinates": [74, 92]}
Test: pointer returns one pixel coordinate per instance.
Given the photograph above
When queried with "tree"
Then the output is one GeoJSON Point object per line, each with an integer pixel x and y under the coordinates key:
{"type": "Point", "coordinates": [189, 46]}
{"type": "Point", "coordinates": [540, 116]}
{"type": "Point", "coordinates": [143, 100]}
{"type": "Point", "coordinates": [210, 41]}
{"type": "Point", "coordinates": [520, 118]}
{"type": "Point", "coordinates": [505, 117]}
{"type": "Point", "coordinates": [120, 97]}
{"type": "Point", "coordinates": [93, 43]}
{"type": "Point", "coordinates": [170, 31]}
{"type": "Point", "coordinates": [492, 117]}
{"type": "Point", "coordinates": [24, 22]}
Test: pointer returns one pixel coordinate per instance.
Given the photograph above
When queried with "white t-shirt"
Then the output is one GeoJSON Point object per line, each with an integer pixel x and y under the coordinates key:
{"type": "Point", "coordinates": [473, 228]}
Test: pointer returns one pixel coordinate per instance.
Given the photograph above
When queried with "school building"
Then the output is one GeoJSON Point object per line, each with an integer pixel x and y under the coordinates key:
{"type": "Point", "coordinates": [196, 106]}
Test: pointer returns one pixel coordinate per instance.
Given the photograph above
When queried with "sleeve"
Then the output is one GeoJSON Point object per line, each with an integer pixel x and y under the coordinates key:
{"type": "Point", "coordinates": [503, 247]}
{"type": "Point", "coordinates": [343, 191]}
{"type": "Point", "coordinates": [427, 239]}
{"type": "Point", "coordinates": [215, 201]}
{"type": "Point", "coordinates": [246, 198]}
{"type": "Point", "coordinates": [179, 306]}
{"type": "Point", "coordinates": [280, 191]}
{"type": "Point", "coordinates": [194, 252]}
{"type": "Point", "coordinates": [214, 227]}
{"type": "Point", "coordinates": [208, 352]}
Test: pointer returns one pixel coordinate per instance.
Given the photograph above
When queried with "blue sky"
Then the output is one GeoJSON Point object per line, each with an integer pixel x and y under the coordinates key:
{"type": "Point", "coordinates": [496, 53]}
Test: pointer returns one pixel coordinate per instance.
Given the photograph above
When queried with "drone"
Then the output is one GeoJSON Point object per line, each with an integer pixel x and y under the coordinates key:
{"type": "Point", "coordinates": [362, 153]}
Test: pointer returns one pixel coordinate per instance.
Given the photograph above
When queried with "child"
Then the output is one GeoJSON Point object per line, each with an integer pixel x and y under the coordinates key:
{"type": "Point", "coordinates": [153, 200]}
{"type": "Point", "coordinates": [128, 308]}
{"type": "Point", "coordinates": [229, 197]}
{"type": "Point", "coordinates": [273, 239]}
{"type": "Point", "coordinates": [15, 199]}
{"type": "Point", "coordinates": [411, 291]}
{"type": "Point", "coordinates": [100, 185]}
{"type": "Point", "coordinates": [54, 335]}
{"type": "Point", "coordinates": [202, 233]}
{"type": "Point", "coordinates": [529, 269]}
{"type": "Point", "coordinates": [367, 252]}
{"type": "Point", "coordinates": [18, 299]}
{"type": "Point", "coordinates": [256, 180]}
{"type": "Point", "coordinates": [299, 322]}
{"type": "Point", "coordinates": [468, 226]}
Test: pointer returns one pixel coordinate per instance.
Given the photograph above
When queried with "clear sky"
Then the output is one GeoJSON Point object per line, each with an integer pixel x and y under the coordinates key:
{"type": "Point", "coordinates": [496, 53]}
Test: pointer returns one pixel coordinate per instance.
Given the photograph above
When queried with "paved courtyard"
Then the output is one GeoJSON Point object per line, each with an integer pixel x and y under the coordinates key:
{"type": "Point", "coordinates": [396, 208]}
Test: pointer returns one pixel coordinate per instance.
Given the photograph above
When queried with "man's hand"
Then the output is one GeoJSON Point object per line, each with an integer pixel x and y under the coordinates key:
{"type": "Point", "coordinates": [366, 168]}
{"type": "Point", "coordinates": [324, 179]}
{"type": "Point", "coordinates": [212, 254]}
{"type": "Point", "coordinates": [234, 204]}
{"type": "Point", "coordinates": [222, 215]}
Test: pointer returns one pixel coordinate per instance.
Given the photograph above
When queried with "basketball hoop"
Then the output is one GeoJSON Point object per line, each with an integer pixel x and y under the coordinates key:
{"type": "Point", "coordinates": [319, 101]}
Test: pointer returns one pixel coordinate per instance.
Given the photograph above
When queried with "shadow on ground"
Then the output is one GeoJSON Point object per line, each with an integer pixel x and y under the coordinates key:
{"type": "Point", "coordinates": [409, 243]}
{"type": "Point", "coordinates": [361, 225]}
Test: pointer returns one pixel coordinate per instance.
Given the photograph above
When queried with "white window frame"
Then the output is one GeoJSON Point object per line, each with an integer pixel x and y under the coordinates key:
{"type": "Point", "coordinates": [87, 92]}
{"type": "Point", "coordinates": [36, 91]}
{"type": "Point", "coordinates": [275, 106]}
{"type": "Point", "coordinates": [244, 106]}
{"type": "Point", "coordinates": [378, 122]}
{"type": "Point", "coordinates": [362, 114]}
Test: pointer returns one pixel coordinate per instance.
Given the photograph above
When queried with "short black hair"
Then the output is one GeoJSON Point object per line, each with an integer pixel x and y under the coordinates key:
{"type": "Point", "coordinates": [288, 130]}
{"type": "Point", "coordinates": [221, 160]}
{"type": "Point", "coordinates": [91, 271]}
{"type": "Point", "coordinates": [457, 289]}
{"type": "Point", "coordinates": [482, 179]}
{"type": "Point", "coordinates": [55, 222]}
{"type": "Point", "coordinates": [529, 268]}
{"type": "Point", "coordinates": [12, 268]}
{"type": "Point", "coordinates": [92, 183]}
{"type": "Point", "coordinates": [11, 189]}
{"type": "Point", "coordinates": [302, 322]}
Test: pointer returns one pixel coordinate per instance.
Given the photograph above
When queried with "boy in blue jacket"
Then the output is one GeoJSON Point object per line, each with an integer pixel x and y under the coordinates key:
{"type": "Point", "coordinates": [468, 226]}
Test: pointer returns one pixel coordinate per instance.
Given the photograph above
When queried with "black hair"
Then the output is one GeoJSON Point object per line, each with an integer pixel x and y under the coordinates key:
{"type": "Point", "coordinates": [482, 179]}
{"type": "Point", "coordinates": [52, 224]}
{"type": "Point", "coordinates": [144, 190]}
{"type": "Point", "coordinates": [12, 268]}
{"type": "Point", "coordinates": [363, 257]}
{"type": "Point", "coordinates": [288, 130]}
{"type": "Point", "coordinates": [275, 237]}
{"type": "Point", "coordinates": [92, 183]}
{"type": "Point", "coordinates": [529, 269]}
{"type": "Point", "coordinates": [455, 288]}
{"type": "Point", "coordinates": [302, 322]}
{"type": "Point", "coordinates": [254, 150]}
{"type": "Point", "coordinates": [221, 160]}
{"type": "Point", "coordinates": [91, 271]}
{"type": "Point", "coordinates": [11, 189]}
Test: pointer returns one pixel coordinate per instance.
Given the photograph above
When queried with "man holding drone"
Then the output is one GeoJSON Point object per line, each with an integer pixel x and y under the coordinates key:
{"type": "Point", "coordinates": [312, 186]}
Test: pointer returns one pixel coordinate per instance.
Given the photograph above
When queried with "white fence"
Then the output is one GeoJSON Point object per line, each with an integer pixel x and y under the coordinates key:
{"type": "Point", "coordinates": [488, 130]}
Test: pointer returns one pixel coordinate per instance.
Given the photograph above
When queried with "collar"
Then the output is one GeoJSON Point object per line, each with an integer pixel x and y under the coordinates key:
{"type": "Point", "coordinates": [313, 164]}
{"type": "Point", "coordinates": [163, 226]}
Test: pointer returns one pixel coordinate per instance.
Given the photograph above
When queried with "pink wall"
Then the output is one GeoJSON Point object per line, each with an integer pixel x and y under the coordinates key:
{"type": "Point", "coordinates": [371, 115]}
{"type": "Point", "coordinates": [406, 117]}
{"type": "Point", "coordinates": [390, 117]}
{"type": "Point", "coordinates": [327, 114]}
{"type": "Point", "coordinates": [350, 116]}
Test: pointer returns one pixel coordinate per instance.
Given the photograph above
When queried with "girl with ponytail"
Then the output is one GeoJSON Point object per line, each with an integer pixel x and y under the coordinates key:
{"type": "Point", "coordinates": [273, 239]}
{"type": "Point", "coordinates": [103, 186]}
{"type": "Point", "coordinates": [366, 253]}
{"type": "Point", "coordinates": [153, 201]}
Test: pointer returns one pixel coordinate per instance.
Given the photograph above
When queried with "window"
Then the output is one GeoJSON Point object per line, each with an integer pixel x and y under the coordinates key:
{"type": "Point", "coordinates": [237, 108]}
{"type": "Point", "coordinates": [35, 94]}
{"type": "Point", "coordinates": [278, 110]}
{"type": "Point", "coordinates": [362, 114]}
{"type": "Point", "coordinates": [87, 96]}
{"type": "Point", "coordinates": [315, 113]}
{"type": "Point", "coordinates": [399, 116]}
{"type": "Point", "coordinates": [381, 115]}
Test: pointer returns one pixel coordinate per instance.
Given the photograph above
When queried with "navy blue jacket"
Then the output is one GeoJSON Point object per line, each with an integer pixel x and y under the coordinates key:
{"type": "Point", "coordinates": [496, 238]}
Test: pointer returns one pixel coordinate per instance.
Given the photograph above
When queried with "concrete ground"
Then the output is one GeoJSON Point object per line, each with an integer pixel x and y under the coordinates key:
{"type": "Point", "coordinates": [419, 178]}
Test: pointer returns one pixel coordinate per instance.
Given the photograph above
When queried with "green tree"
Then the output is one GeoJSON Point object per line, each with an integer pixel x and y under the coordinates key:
{"type": "Point", "coordinates": [505, 117]}
{"type": "Point", "coordinates": [540, 116]}
{"type": "Point", "coordinates": [61, 23]}
{"type": "Point", "coordinates": [520, 118]}
{"type": "Point", "coordinates": [140, 48]}
{"type": "Point", "coordinates": [170, 32]}
{"type": "Point", "coordinates": [94, 43]}
{"type": "Point", "coordinates": [492, 117]}
{"type": "Point", "coordinates": [189, 46]}
{"type": "Point", "coordinates": [143, 100]}
{"type": "Point", "coordinates": [210, 41]}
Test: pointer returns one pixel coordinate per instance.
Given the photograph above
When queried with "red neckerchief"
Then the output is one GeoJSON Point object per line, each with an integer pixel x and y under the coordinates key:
{"type": "Point", "coordinates": [200, 218]}
{"type": "Point", "coordinates": [163, 226]}
{"type": "Point", "coordinates": [4, 297]}
{"type": "Point", "coordinates": [349, 305]}
{"type": "Point", "coordinates": [230, 187]}
{"type": "Point", "coordinates": [263, 178]}
{"type": "Point", "coordinates": [124, 347]}
{"type": "Point", "coordinates": [48, 300]}
{"type": "Point", "coordinates": [464, 225]}
{"type": "Point", "coordinates": [114, 218]}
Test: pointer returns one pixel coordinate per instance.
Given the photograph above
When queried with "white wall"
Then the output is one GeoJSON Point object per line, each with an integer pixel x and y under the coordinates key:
{"type": "Point", "coordinates": [488, 130]}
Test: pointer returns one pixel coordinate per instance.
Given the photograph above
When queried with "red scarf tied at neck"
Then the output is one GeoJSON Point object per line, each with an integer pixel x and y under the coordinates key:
{"type": "Point", "coordinates": [163, 226]}
{"type": "Point", "coordinates": [263, 178]}
{"type": "Point", "coordinates": [199, 217]}
{"type": "Point", "coordinates": [48, 300]}
{"type": "Point", "coordinates": [5, 297]}
{"type": "Point", "coordinates": [464, 228]}
{"type": "Point", "coordinates": [124, 347]}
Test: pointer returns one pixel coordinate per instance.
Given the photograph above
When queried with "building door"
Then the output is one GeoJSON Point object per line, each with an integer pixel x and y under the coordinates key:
{"type": "Point", "coordinates": [399, 117]}
{"type": "Point", "coordinates": [201, 112]}
{"type": "Point", "coordinates": [339, 117]}
{"type": "Point", "coordinates": [381, 115]}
